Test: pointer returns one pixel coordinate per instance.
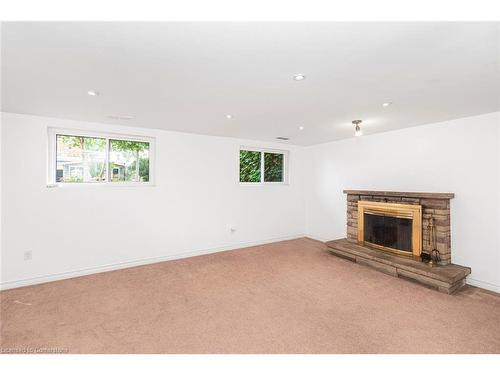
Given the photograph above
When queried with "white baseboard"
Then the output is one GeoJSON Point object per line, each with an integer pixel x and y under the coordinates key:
{"type": "Point", "coordinates": [139, 262]}
{"type": "Point", "coordinates": [321, 239]}
{"type": "Point", "coordinates": [483, 285]}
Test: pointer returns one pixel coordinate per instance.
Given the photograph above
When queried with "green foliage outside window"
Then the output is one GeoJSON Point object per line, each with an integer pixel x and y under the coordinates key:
{"type": "Point", "coordinates": [249, 166]}
{"type": "Point", "coordinates": [144, 169]}
{"type": "Point", "coordinates": [131, 159]}
{"type": "Point", "coordinates": [273, 167]}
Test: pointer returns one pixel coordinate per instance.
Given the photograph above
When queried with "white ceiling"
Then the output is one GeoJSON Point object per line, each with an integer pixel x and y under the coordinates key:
{"type": "Point", "coordinates": [188, 76]}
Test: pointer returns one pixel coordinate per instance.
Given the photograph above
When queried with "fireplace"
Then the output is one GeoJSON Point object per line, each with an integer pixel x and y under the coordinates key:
{"type": "Point", "coordinates": [390, 230]}
{"type": "Point", "coordinates": [392, 227]}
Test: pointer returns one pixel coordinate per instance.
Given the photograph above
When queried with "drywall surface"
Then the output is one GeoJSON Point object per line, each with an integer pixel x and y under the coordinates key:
{"type": "Point", "coordinates": [75, 230]}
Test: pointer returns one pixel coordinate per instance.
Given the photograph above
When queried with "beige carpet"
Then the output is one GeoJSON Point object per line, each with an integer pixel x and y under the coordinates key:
{"type": "Point", "coordinates": [287, 297]}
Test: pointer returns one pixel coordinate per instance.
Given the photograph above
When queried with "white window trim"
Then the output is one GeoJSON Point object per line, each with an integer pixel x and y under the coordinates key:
{"type": "Point", "coordinates": [286, 156]}
{"type": "Point", "coordinates": [52, 157]}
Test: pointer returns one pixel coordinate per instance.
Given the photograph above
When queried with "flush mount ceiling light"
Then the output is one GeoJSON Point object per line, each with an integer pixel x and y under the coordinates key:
{"type": "Point", "coordinates": [299, 77]}
{"type": "Point", "coordinates": [120, 117]}
{"type": "Point", "coordinates": [386, 104]}
{"type": "Point", "coordinates": [357, 129]}
{"type": "Point", "coordinates": [229, 117]}
{"type": "Point", "coordinates": [93, 93]}
{"type": "Point", "coordinates": [301, 128]}
{"type": "Point", "coordinates": [283, 138]}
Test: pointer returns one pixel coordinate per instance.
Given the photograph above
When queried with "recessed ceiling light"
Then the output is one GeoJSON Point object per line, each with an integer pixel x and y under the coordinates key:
{"type": "Point", "coordinates": [301, 128]}
{"type": "Point", "coordinates": [93, 93]}
{"type": "Point", "coordinates": [386, 104]}
{"type": "Point", "coordinates": [120, 117]}
{"type": "Point", "coordinates": [229, 117]}
{"type": "Point", "coordinates": [283, 138]}
{"type": "Point", "coordinates": [299, 77]}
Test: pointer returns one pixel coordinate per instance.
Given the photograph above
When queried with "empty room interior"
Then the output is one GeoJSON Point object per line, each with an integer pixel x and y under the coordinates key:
{"type": "Point", "coordinates": [250, 187]}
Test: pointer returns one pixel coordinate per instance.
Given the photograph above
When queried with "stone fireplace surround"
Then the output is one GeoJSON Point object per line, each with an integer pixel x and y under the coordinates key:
{"type": "Point", "coordinates": [436, 205]}
{"type": "Point", "coordinates": [445, 277]}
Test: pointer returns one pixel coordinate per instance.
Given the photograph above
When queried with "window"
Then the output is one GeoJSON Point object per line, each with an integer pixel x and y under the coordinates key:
{"type": "Point", "coordinates": [80, 157]}
{"type": "Point", "coordinates": [129, 160]}
{"type": "Point", "coordinates": [250, 164]}
{"type": "Point", "coordinates": [262, 166]}
{"type": "Point", "coordinates": [273, 167]}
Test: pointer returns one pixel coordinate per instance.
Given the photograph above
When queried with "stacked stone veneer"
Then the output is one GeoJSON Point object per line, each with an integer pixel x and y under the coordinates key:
{"type": "Point", "coordinates": [436, 205]}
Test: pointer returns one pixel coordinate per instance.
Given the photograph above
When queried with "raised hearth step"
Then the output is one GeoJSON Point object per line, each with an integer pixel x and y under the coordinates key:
{"type": "Point", "coordinates": [447, 279]}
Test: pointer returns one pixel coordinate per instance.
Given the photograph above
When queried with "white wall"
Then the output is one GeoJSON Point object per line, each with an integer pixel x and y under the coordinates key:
{"type": "Point", "coordinates": [77, 230]}
{"type": "Point", "coordinates": [459, 156]}
{"type": "Point", "coordinates": [1, 198]}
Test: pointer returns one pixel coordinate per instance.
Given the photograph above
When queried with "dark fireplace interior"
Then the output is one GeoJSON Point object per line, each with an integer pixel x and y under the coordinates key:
{"type": "Point", "coordinates": [388, 231]}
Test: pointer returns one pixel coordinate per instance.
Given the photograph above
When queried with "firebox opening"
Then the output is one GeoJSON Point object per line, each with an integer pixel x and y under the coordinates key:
{"type": "Point", "coordinates": [388, 231]}
{"type": "Point", "coordinates": [392, 227]}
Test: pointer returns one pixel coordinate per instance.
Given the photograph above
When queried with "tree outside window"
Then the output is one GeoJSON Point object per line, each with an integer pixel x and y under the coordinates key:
{"type": "Point", "coordinates": [83, 159]}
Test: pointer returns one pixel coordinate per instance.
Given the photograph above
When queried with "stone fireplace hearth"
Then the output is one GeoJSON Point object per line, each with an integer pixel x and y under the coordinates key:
{"type": "Point", "coordinates": [393, 231]}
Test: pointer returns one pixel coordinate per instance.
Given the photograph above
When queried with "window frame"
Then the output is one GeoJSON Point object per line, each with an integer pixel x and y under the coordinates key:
{"type": "Point", "coordinates": [52, 156]}
{"type": "Point", "coordinates": [263, 150]}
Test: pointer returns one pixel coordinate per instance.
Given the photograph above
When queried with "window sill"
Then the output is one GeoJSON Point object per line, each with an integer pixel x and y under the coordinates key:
{"type": "Point", "coordinates": [263, 183]}
{"type": "Point", "coordinates": [100, 184]}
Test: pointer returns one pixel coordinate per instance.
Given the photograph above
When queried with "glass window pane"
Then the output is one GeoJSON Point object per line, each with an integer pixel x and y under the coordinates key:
{"type": "Point", "coordinates": [273, 167]}
{"type": "Point", "coordinates": [128, 160]}
{"type": "Point", "coordinates": [80, 159]}
{"type": "Point", "coordinates": [249, 166]}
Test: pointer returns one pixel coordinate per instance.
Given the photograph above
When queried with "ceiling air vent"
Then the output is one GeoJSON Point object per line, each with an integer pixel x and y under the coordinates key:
{"type": "Point", "coordinates": [120, 117]}
{"type": "Point", "coordinates": [283, 138]}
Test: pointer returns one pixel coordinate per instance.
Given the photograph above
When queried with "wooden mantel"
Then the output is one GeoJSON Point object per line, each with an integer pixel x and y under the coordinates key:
{"type": "Point", "coordinates": [402, 194]}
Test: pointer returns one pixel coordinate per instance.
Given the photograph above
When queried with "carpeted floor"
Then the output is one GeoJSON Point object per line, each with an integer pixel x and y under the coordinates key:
{"type": "Point", "coordinates": [286, 297]}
